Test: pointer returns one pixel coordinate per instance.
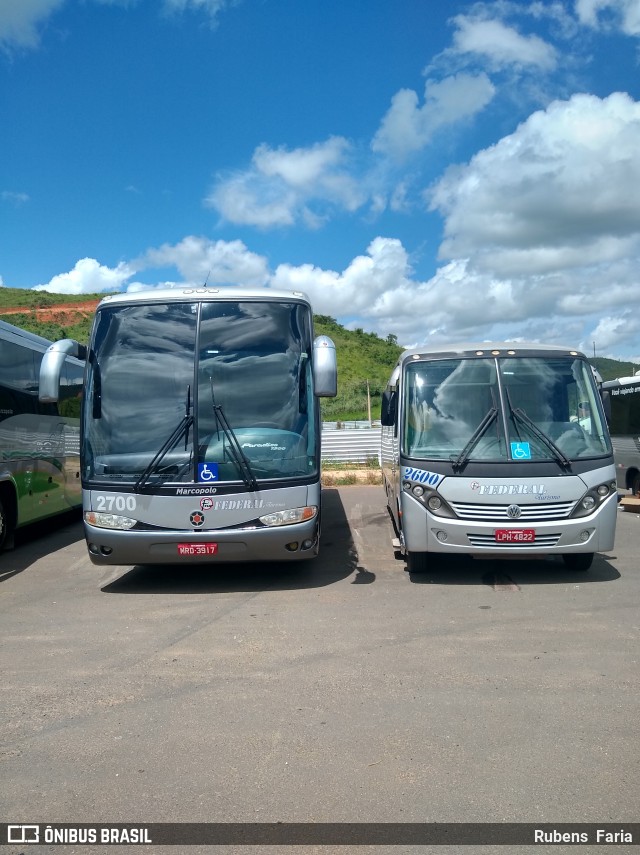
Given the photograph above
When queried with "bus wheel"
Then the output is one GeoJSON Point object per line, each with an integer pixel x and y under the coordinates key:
{"type": "Point", "coordinates": [578, 560]}
{"type": "Point", "coordinates": [417, 562]}
{"type": "Point", "coordinates": [635, 489]}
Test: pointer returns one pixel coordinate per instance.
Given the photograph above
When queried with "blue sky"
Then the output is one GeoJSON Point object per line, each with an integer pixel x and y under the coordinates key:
{"type": "Point", "coordinates": [436, 171]}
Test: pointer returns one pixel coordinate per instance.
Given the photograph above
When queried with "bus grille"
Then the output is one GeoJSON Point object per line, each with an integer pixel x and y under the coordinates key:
{"type": "Point", "coordinates": [498, 513]}
{"type": "Point", "coordinates": [488, 541]}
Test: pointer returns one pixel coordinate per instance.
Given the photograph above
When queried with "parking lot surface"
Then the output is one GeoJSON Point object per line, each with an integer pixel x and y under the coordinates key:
{"type": "Point", "coordinates": [339, 690]}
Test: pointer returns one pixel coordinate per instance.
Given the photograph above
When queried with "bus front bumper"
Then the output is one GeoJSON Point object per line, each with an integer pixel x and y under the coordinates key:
{"type": "Point", "coordinates": [425, 532]}
{"type": "Point", "coordinates": [295, 542]}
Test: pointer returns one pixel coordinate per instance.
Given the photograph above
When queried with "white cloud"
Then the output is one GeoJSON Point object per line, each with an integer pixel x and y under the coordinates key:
{"type": "Point", "coordinates": [285, 186]}
{"type": "Point", "coordinates": [215, 262]}
{"type": "Point", "coordinates": [211, 8]}
{"type": "Point", "coordinates": [500, 44]}
{"type": "Point", "coordinates": [553, 195]}
{"type": "Point", "coordinates": [408, 127]}
{"type": "Point", "coordinates": [20, 20]}
{"type": "Point", "coordinates": [543, 231]}
{"type": "Point", "coordinates": [14, 198]}
{"type": "Point", "coordinates": [88, 277]}
{"type": "Point", "coordinates": [608, 14]}
{"type": "Point", "coordinates": [611, 330]}
{"type": "Point", "coordinates": [359, 288]}
{"type": "Point", "coordinates": [379, 291]}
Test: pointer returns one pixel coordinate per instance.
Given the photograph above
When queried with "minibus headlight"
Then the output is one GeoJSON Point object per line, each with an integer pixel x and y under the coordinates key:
{"type": "Point", "coordinates": [592, 499]}
{"type": "Point", "coordinates": [114, 521]}
{"type": "Point", "coordinates": [290, 516]}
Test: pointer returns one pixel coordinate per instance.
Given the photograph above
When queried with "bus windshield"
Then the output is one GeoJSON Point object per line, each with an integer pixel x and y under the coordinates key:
{"type": "Point", "coordinates": [230, 381]}
{"type": "Point", "coordinates": [545, 409]}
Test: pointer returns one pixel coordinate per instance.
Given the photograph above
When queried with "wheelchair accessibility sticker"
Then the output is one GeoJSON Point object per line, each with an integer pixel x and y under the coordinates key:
{"type": "Point", "coordinates": [520, 451]}
{"type": "Point", "coordinates": [207, 472]}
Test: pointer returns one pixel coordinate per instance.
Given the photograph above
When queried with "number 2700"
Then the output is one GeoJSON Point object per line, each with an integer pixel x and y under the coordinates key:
{"type": "Point", "coordinates": [115, 503]}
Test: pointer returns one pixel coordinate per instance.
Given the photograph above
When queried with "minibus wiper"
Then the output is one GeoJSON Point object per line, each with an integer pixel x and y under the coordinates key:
{"type": "Point", "coordinates": [238, 455]}
{"type": "Point", "coordinates": [181, 430]}
{"type": "Point", "coordinates": [477, 435]}
{"type": "Point", "coordinates": [520, 415]}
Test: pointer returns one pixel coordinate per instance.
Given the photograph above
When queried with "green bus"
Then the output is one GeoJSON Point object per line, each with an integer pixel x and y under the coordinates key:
{"type": "Point", "coordinates": [39, 443]}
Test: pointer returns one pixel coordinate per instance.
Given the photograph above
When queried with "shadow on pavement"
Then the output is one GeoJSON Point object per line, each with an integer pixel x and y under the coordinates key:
{"type": "Point", "coordinates": [337, 560]}
{"type": "Point", "coordinates": [505, 574]}
{"type": "Point", "coordinates": [36, 541]}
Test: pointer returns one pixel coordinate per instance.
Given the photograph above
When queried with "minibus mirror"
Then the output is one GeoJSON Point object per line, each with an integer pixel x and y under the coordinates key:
{"type": "Point", "coordinates": [388, 409]}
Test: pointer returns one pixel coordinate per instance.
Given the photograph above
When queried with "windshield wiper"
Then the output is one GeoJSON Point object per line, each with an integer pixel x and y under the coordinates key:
{"type": "Point", "coordinates": [181, 430]}
{"type": "Point", "coordinates": [475, 438]}
{"type": "Point", "coordinates": [520, 416]}
{"type": "Point", "coordinates": [96, 404]}
{"type": "Point", "coordinates": [238, 455]}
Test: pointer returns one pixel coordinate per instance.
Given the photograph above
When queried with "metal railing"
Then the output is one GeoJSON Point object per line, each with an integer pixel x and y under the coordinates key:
{"type": "Point", "coordinates": [351, 446]}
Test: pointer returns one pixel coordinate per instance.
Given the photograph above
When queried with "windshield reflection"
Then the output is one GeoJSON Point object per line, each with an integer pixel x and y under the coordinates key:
{"type": "Point", "coordinates": [252, 362]}
{"type": "Point", "coordinates": [550, 408]}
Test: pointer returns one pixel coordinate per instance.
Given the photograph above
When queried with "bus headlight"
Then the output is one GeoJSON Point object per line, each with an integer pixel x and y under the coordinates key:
{"type": "Point", "coordinates": [109, 520]}
{"type": "Point", "coordinates": [290, 516]}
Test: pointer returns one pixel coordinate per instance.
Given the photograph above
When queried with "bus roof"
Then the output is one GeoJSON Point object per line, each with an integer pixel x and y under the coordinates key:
{"type": "Point", "coordinates": [29, 339]}
{"type": "Point", "coordinates": [488, 348]}
{"type": "Point", "coordinates": [180, 294]}
{"type": "Point", "coordinates": [621, 381]}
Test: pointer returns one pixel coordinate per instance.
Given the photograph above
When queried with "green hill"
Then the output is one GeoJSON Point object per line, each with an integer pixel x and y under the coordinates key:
{"type": "Point", "coordinates": [611, 369]}
{"type": "Point", "coordinates": [365, 360]}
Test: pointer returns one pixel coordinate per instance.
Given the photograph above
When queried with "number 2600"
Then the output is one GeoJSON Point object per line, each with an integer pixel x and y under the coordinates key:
{"type": "Point", "coordinates": [115, 503]}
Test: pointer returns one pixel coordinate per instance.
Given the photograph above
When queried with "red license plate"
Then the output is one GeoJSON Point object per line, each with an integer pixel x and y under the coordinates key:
{"type": "Point", "coordinates": [188, 549]}
{"type": "Point", "coordinates": [515, 535]}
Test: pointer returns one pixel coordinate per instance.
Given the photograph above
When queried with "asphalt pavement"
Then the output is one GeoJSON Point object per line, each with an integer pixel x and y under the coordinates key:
{"type": "Point", "coordinates": [340, 690]}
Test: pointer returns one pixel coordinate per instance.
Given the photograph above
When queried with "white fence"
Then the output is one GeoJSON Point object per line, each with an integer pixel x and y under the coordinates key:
{"type": "Point", "coordinates": [349, 445]}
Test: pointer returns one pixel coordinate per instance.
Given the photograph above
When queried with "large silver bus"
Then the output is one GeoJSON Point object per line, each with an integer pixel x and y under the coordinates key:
{"type": "Point", "coordinates": [39, 443]}
{"type": "Point", "coordinates": [201, 426]}
{"type": "Point", "coordinates": [497, 450]}
{"type": "Point", "coordinates": [624, 404]}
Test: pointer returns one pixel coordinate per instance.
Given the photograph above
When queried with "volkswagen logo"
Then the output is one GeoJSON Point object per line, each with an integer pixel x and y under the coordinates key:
{"type": "Point", "coordinates": [513, 512]}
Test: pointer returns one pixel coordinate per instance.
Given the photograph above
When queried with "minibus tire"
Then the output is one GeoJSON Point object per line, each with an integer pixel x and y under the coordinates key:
{"type": "Point", "coordinates": [417, 562]}
{"type": "Point", "coordinates": [578, 560]}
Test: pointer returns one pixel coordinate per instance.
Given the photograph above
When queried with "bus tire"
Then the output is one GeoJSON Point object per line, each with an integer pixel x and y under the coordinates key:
{"type": "Point", "coordinates": [417, 562]}
{"type": "Point", "coordinates": [578, 560]}
{"type": "Point", "coordinates": [635, 486]}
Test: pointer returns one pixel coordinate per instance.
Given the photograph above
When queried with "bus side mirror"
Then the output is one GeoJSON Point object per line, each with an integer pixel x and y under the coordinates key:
{"type": "Point", "coordinates": [325, 368]}
{"type": "Point", "coordinates": [51, 367]}
{"type": "Point", "coordinates": [606, 403]}
{"type": "Point", "coordinates": [388, 409]}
